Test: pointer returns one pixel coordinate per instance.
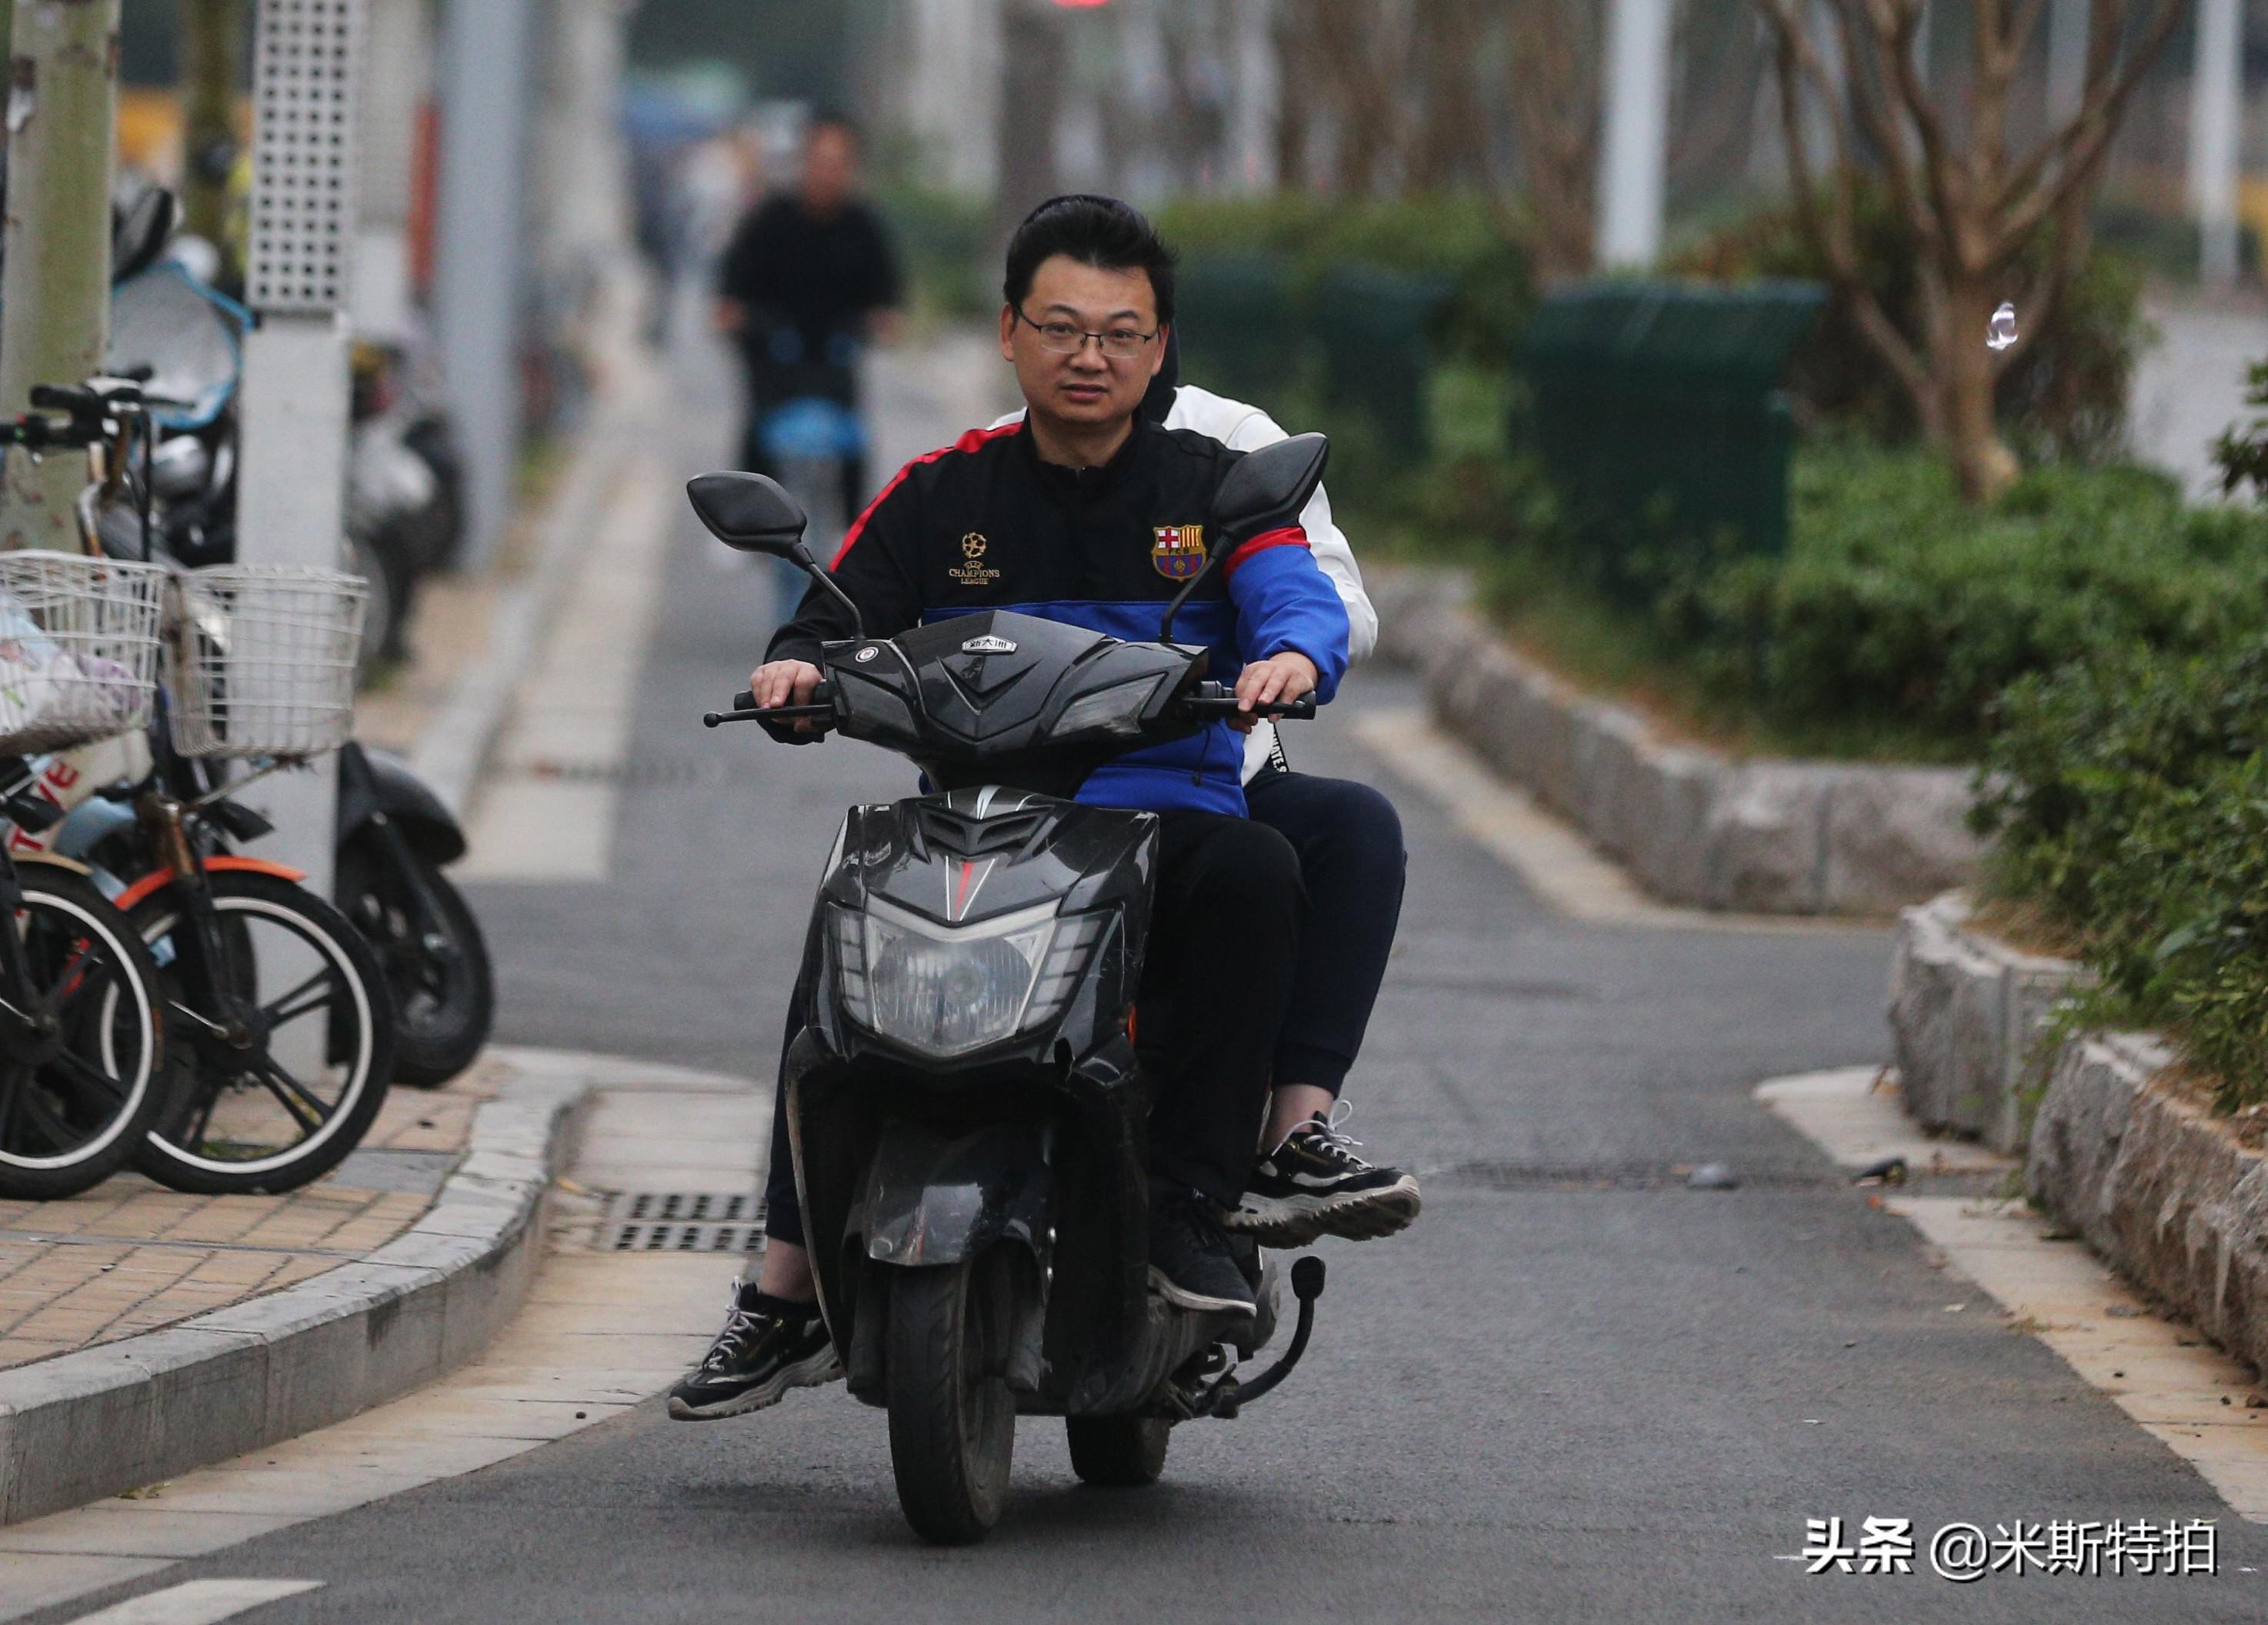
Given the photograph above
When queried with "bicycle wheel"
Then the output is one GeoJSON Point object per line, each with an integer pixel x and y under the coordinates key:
{"type": "Point", "coordinates": [78, 1095]}
{"type": "Point", "coordinates": [277, 1098]}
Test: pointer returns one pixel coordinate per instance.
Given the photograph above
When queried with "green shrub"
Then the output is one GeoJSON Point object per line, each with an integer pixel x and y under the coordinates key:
{"type": "Point", "coordinates": [943, 242]}
{"type": "Point", "coordinates": [1899, 614]}
{"type": "Point", "coordinates": [2067, 397]}
{"type": "Point", "coordinates": [1460, 240]}
{"type": "Point", "coordinates": [2129, 794]}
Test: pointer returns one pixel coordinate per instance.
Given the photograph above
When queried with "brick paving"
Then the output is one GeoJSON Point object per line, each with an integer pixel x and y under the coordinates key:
{"type": "Point", "coordinates": [130, 1256]}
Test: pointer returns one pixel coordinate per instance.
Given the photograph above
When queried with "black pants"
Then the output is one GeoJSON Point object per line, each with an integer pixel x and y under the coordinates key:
{"type": "Point", "coordinates": [1223, 948]}
{"type": "Point", "coordinates": [1351, 862]}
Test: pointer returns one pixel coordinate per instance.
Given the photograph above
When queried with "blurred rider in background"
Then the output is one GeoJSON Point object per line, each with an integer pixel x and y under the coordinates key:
{"type": "Point", "coordinates": [808, 277]}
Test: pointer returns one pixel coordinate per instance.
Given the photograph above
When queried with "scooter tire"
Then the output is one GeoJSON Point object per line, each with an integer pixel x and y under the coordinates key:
{"type": "Point", "coordinates": [434, 1040]}
{"type": "Point", "coordinates": [1118, 1452]}
{"type": "Point", "coordinates": [952, 1420]}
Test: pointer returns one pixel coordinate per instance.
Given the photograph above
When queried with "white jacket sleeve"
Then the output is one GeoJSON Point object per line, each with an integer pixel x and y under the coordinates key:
{"type": "Point", "coordinates": [1243, 427]}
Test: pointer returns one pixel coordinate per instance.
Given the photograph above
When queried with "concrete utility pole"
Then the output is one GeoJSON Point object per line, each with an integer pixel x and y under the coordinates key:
{"type": "Point", "coordinates": [486, 63]}
{"type": "Point", "coordinates": [213, 43]}
{"type": "Point", "coordinates": [1258, 90]}
{"type": "Point", "coordinates": [291, 505]}
{"type": "Point", "coordinates": [1637, 131]}
{"type": "Point", "coordinates": [54, 294]}
{"type": "Point", "coordinates": [2216, 102]}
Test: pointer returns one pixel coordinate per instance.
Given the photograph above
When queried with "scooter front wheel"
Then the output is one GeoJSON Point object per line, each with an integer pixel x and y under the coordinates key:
{"type": "Point", "coordinates": [952, 1420]}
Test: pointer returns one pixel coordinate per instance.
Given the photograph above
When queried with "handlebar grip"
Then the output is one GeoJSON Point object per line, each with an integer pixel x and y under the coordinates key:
{"type": "Point", "coordinates": [62, 398]}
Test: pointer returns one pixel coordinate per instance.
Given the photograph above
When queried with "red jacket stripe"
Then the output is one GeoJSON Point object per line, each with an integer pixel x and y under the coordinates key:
{"type": "Point", "coordinates": [1289, 536]}
{"type": "Point", "coordinates": [976, 440]}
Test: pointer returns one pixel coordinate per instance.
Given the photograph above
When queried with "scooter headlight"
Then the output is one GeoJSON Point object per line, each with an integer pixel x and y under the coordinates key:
{"type": "Point", "coordinates": [945, 991]}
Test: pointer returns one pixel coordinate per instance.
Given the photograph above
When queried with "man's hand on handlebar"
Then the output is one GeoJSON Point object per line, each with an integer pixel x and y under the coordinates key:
{"type": "Point", "coordinates": [786, 682]}
{"type": "Point", "coordinates": [1277, 680]}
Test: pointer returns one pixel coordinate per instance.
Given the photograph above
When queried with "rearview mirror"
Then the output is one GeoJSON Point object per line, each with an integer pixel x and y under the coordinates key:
{"type": "Point", "coordinates": [1269, 487]}
{"type": "Point", "coordinates": [139, 234]}
{"type": "Point", "coordinates": [749, 512]}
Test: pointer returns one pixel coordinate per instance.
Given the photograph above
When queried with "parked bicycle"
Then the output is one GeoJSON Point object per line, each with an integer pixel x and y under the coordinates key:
{"type": "Point", "coordinates": [83, 1073]}
{"type": "Point", "coordinates": [280, 1013]}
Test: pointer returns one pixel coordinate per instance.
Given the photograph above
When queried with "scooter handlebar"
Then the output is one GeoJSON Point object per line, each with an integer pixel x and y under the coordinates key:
{"type": "Point", "coordinates": [744, 710]}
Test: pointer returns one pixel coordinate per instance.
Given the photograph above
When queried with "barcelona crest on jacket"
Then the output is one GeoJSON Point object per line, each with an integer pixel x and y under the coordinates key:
{"type": "Point", "coordinates": [1178, 551]}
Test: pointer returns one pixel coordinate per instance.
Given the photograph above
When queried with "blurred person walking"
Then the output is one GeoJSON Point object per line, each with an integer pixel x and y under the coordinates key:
{"type": "Point", "coordinates": [807, 278]}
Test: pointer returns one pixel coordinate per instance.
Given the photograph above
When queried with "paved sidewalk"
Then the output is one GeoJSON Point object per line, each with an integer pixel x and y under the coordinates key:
{"type": "Point", "coordinates": [130, 1256]}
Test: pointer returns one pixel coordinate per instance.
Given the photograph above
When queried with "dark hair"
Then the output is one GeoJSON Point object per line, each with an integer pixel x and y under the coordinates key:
{"type": "Point", "coordinates": [1100, 232]}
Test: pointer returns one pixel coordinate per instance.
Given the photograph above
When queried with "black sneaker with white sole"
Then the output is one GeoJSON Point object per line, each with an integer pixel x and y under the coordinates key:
{"type": "Point", "coordinates": [1317, 1184]}
{"type": "Point", "coordinates": [755, 1361]}
{"type": "Point", "coordinates": [1192, 1260]}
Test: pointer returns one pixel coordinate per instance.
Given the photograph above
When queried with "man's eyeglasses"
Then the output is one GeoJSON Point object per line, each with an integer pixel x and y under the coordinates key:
{"type": "Point", "coordinates": [1061, 338]}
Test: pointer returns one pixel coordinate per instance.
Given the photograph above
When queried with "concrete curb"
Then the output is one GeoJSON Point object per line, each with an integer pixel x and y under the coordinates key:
{"type": "Point", "coordinates": [1695, 827]}
{"type": "Point", "coordinates": [1968, 1015]}
{"type": "Point", "coordinates": [2157, 1185]}
{"type": "Point", "coordinates": [83, 1426]}
{"type": "Point", "coordinates": [455, 746]}
{"type": "Point", "coordinates": [2160, 1188]}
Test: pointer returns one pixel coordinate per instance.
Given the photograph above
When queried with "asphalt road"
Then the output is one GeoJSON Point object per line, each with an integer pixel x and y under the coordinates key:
{"type": "Point", "coordinates": [1576, 1390]}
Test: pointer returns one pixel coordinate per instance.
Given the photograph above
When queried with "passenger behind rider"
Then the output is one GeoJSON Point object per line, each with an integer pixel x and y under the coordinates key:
{"type": "Point", "coordinates": [1073, 515]}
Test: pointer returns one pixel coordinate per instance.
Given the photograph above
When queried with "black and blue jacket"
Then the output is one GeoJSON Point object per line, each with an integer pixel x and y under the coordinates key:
{"type": "Point", "coordinates": [984, 524]}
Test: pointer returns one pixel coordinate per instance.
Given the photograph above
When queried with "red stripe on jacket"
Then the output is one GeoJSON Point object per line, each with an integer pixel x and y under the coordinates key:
{"type": "Point", "coordinates": [1288, 535]}
{"type": "Point", "coordinates": [976, 440]}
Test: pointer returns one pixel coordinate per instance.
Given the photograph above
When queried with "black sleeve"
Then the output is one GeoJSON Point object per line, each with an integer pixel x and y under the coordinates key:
{"type": "Point", "coordinates": [736, 270]}
{"type": "Point", "coordinates": [883, 288]}
{"type": "Point", "coordinates": [879, 566]}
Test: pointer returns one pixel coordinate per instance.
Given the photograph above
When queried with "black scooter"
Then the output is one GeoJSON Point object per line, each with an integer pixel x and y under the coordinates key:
{"type": "Point", "coordinates": [966, 1107]}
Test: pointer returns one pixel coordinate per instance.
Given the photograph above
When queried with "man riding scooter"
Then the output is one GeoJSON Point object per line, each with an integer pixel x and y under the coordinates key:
{"type": "Point", "coordinates": [1087, 513]}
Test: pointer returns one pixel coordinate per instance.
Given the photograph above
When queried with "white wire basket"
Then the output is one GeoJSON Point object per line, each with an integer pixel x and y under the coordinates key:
{"type": "Point", "coordinates": [78, 649]}
{"type": "Point", "coordinates": [261, 660]}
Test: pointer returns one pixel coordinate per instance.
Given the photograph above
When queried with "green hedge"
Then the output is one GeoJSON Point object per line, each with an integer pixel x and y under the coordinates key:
{"type": "Point", "coordinates": [1898, 614]}
{"type": "Point", "coordinates": [2067, 397]}
{"type": "Point", "coordinates": [2130, 796]}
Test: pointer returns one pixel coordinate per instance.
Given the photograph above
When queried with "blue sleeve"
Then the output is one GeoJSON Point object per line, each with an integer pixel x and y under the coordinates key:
{"type": "Point", "coordinates": [1283, 601]}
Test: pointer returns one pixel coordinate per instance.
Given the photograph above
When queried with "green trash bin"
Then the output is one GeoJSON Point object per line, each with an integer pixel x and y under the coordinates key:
{"type": "Point", "coordinates": [1241, 329]}
{"type": "Point", "coordinates": [1372, 326]}
{"type": "Point", "coordinates": [1652, 396]}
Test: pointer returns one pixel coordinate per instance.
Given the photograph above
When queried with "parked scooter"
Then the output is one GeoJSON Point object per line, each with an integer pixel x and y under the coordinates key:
{"type": "Point", "coordinates": [394, 836]}
{"type": "Point", "coordinates": [966, 1107]}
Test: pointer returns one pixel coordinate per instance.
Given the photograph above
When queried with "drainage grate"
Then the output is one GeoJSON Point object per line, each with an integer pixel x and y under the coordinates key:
{"type": "Point", "coordinates": [683, 1222]}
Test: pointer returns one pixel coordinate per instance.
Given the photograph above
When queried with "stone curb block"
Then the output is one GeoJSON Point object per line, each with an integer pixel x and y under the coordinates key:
{"type": "Point", "coordinates": [83, 1426]}
{"type": "Point", "coordinates": [2158, 1186]}
{"type": "Point", "coordinates": [1967, 1017]}
{"type": "Point", "coordinates": [1697, 828]}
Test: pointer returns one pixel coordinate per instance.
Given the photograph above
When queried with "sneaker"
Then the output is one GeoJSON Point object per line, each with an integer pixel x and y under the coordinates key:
{"type": "Point", "coordinates": [756, 1360]}
{"type": "Point", "coordinates": [1317, 1184]}
{"type": "Point", "coordinates": [1191, 1261]}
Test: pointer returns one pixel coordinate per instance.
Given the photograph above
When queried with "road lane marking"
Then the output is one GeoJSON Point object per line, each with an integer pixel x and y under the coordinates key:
{"type": "Point", "coordinates": [1566, 871]}
{"type": "Point", "coordinates": [2177, 1388]}
{"type": "Point", "coordinates": [198, 1602]}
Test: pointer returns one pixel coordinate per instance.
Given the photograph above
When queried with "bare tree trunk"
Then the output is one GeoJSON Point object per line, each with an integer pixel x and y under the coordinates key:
{"type": "Point", "coordinates": [1451, 138]}
{"type": "Point", "coordinates": [1988, 226]}
{"type": "Point", "coordinates": [1553, 86]}
{"type": "Point", "coordinates": [55, 293]}
{"type": "Point", "coordinates": [212, 39]}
